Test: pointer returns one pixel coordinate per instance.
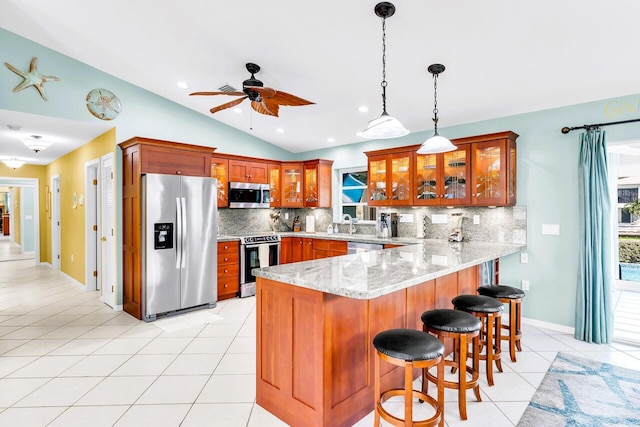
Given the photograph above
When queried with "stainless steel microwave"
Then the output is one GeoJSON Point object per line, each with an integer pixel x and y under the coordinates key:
{"type": "Point", "coordinates": [248, 195]}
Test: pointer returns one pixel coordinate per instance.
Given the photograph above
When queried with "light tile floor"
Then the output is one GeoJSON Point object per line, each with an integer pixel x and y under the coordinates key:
{"type": "Point", "coordinates": [66, 359]}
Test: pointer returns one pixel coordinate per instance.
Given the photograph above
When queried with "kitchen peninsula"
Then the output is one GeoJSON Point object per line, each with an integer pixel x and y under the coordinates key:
{"type": "Point", "coordinates": [316, 321]}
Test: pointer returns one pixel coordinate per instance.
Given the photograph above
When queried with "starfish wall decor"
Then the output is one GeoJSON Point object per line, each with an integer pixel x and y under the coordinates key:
{"type": "Point", "coordinates": [32, 78]}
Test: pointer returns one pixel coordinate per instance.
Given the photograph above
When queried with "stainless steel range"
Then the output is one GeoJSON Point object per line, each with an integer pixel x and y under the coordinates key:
{"type": "Point", "coordinates": [256, 252]}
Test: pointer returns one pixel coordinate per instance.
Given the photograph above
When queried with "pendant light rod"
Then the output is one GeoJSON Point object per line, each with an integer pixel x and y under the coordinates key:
{"type": "Point", "coordinates": [384, 10]}
{"type": "Point", "coordinates": [435, 69]}
{"type": "Point", "coordinates": [436, 144]}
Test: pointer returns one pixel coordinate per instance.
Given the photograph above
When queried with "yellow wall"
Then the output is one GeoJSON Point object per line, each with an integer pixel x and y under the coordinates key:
{"type": "Point", "coordinates": [70, 167]}
{"type": "Point", "coordinates": [15, 214]}
{"type": "Point", "coordinates": [39, 173]}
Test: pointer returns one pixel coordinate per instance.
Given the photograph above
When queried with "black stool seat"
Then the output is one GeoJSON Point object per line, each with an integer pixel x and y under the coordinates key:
{"type": "Point", "coordinates": [451, 320]}
{"type": "Point", "coordinates": [477, 303]}
{"type": "Point", "coordinates": [408, 344]}
{"type": "Point", "coordinates": [501, 291]}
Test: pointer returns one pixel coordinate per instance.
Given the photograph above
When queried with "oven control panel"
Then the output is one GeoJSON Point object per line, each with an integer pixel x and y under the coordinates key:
{"type": "Point", "coordinates": [260, 239]}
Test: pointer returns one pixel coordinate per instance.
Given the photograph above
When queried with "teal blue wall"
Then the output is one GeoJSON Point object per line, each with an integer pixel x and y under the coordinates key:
{"type": "Point", "coordinates": [28, 215]}
{"type": "Point", "coordinates": [547, 159]}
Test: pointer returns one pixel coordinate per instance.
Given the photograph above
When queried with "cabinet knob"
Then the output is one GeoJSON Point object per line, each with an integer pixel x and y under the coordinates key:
{"type": "Point", "coordinates": [226, 271]}
{"type": "Point", "coordinates": [226, 247]}
{"type": "Point", "coordinates": [178, 173]}
{"type": "Point", "coordinates": [226, 285]}
{"type": "Point", "coordinates": [226, 259]}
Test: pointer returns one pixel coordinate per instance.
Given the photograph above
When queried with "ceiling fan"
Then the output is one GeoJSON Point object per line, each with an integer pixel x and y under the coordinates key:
{"type": "Point", "coordinates": [264, 100]}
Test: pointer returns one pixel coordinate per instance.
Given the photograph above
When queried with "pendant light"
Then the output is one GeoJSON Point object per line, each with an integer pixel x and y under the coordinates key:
{"type": "Point", "coordinates": [13, 163]}
{"type": "Point", "coordinates": [436, 144]}
{"type": "Point", "coordinates": [385, 126]}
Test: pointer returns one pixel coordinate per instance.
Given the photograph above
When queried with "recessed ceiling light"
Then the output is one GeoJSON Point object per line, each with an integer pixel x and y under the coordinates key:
{"type": "Point", "coordinates": [237, 110]}
{"type": "Point", "coordinates": [183, 85]}
{"type": "Point", "coordinates": [363, 109]}
{"type": "Point", "coordinates": [280, 130]}
{"type": "Point", "coordinates": [331, 139]}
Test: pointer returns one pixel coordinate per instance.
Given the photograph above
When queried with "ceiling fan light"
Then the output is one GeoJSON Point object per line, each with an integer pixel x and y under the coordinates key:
{"type": "Point", "coordinates": [436, 144]}
{"type": "Point", "coordinates": [384, 127]}
{"type": "Point", "coordinates": [13, 163]}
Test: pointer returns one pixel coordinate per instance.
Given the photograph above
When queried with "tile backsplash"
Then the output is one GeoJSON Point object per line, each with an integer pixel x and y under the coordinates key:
{"type": "Point", "coordinates": [500, 224]}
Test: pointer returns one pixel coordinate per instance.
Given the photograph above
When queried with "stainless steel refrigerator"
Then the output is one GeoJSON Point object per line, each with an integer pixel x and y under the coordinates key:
{"type": "Point", "coordinates": [179, 243]}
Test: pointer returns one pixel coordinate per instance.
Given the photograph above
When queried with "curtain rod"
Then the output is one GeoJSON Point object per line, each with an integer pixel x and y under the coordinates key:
{"type": "Point", "coordinates": [595, 126]}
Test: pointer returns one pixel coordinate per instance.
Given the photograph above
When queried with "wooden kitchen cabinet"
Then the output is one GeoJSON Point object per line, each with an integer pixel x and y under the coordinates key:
{"type": "Point", "coordinates": [228, 270]}
{"type": "Point", "coordinates": [301, 249]}
{"type": "Point", "coordinates": [328, 248]}
{"type": "Point", "coordinates": [141, 156]}
{"type": "Point", "coordinates": [292, 176]}
{"type": "Point", "coordinates": [275, 185]}
{"type": "Point", "coordinates": [220, 171]}
{"type": "Point", "coordinates": [317, 183]}
{"type": "Point", "coordinates": [248, 171]}
{"type": "Point", "coordinates": [390, 177]}
{"type": "Point", "coordinates": [493, 176]}
{"type": "Point", "coordinates": [442, 179]}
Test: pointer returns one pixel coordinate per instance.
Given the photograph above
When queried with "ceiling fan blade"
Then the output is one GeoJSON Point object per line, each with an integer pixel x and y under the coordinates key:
{"type": "Point", "coordinates": [228, 105]}
{"type": "Point", "coordinates": [282, 98]}
{"type": "Point", "coordinates": [266, 108]}
{"type": "Point", "coordinates": [218, 93]}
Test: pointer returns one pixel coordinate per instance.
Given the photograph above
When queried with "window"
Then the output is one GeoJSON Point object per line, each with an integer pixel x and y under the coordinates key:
{"type": "Point", "coordinates": [353, 195]}
{"type": "Point", "coordinates": [627, 195]}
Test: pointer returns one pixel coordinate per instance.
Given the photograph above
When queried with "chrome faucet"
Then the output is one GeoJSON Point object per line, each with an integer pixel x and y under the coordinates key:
{"type": "Point", "coordinates": [352, 227]}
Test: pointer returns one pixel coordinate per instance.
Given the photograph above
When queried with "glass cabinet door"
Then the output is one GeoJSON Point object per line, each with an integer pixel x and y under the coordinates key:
{"type": "Point", "coordinates": [311, 185]}
{"type": "Point", "coordinates": [274, 185]}
{"type": "Point", "coordinates": [401, 173]}
{"type": "Point", "coordinates": [428, 179]}
{"type": "Point", "coordinates": [378, 180]}
{"type": "Point", "coordinates": [494, 172]}
{"type": "Point", "coordinates": [292, 185]}
{"type": "Point", "coordinates": [219, 170]}
{"type": "Point", "coordinates": [456, 168]}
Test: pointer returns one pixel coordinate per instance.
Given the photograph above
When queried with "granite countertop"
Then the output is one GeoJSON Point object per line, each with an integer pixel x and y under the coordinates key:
{"type": "Point", "coordinates": [372, 274]}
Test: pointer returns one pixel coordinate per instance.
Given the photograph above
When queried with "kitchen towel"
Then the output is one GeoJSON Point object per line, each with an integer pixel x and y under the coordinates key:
{"type": "Point", "coordinates": [263, 255]}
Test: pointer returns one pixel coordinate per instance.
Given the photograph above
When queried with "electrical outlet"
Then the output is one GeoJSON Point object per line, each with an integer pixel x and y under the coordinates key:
{"type": "Point", "coordinates": [71, 257]}
{"type": "Point", "coordinates": [286, 215]}
{"type": "Point", "coordinates": [525, 285]}
{"type": "Point", "coordinates": [524, 258]}
{"type": "Point", "coordinates": [476, 219]}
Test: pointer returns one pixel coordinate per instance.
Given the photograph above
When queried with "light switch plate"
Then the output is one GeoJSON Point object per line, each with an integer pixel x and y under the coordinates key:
{"type": "Point", "coordinates": [551, 229]}
{"type": "Point", "coordinates": [406, 217]}
{"type": "Point", "coordinates": [476, 219]}
{"type": "Point", "coordinates": [439, 219]}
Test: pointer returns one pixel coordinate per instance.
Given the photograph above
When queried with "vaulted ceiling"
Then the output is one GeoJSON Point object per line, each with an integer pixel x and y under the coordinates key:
{"type": "Point", "coordinates": [502, 57]}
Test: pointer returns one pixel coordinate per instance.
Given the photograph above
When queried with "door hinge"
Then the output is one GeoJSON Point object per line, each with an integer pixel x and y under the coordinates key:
{"type": "Point", "coordinates": [95, 182]}
{"type": "Point", "coordinates": [58, 256]}
{"type": "Point", "coordinates": [112, 290]}
{"type": "Point", "coordinates": [111, 175]}
{"type": "Point", "coordinates": [95, 228]}
{"type": "Point", "coordinates": [95, 274]}
{"type": "Point", "coordinates": [112, 231]}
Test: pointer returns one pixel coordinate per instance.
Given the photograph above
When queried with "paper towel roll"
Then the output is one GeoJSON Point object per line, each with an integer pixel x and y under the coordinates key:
{"type": "Point", "coordinates": [310, 224]}
{"type": "Point", "coordinates": [419, 225]}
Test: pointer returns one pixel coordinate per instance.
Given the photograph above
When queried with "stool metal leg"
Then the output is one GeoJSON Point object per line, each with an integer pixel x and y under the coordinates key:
{"type": "Point", "coordinates": [376, 390]}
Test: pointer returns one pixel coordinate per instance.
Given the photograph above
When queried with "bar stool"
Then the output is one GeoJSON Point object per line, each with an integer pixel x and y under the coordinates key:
{"type": "Point", "coordinates": [513, 297]}
{"type": "Point", "coordinates": [408, 349]}
{"type": "Point", "coordinates": [461, 327]}
{"type": "Point", "coordinates": [489, 311]}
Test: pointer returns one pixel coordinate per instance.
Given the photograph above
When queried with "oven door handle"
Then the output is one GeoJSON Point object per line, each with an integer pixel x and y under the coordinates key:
{"type": "Point", "coordinates": [260, 244]}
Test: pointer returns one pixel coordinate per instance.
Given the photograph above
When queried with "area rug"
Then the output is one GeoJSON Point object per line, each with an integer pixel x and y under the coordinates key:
{"type": "Point", "coordinates": [186, 321]}
{"type": "Point", "coordinates": [582, 392]}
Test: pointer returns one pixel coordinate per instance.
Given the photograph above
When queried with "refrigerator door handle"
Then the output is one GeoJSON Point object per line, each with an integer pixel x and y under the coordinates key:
{"type": "Point", "coordinates": [184, 232]}
{"type": "Point", "coordinates": [178, 233]}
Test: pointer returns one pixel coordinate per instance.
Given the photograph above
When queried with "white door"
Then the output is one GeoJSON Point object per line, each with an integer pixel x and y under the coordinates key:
{"type": "Point", "coordinates": [92, 247]}
{"type": "Point", "coordinates": [55, 222]}
{"type": "Point", "coordinates": [108, 231]}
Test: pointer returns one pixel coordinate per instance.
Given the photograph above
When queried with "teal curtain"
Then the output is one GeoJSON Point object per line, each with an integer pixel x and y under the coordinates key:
{"type": "Point", "coordinates": [594, 316]}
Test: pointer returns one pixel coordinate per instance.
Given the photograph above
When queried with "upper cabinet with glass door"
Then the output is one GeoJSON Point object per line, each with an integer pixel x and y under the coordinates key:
{"type": "Point", "coordinates": [441, 179]}
{"type": "Point", "coordinates": [390, 177]}
{"type": "Point", "coordinates": [274, 185]}
{"type": "Point", "coordinates": [317, 183]}
{"type": "Point", "coordinates": [493, 175]}
{"type": "Point", "coordinates": [220, 170]}
{"type": "Point", "coordinates": [292, 177]}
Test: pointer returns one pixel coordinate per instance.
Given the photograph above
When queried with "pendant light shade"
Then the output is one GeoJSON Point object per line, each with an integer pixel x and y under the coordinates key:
{"type": "Point", "coordinates": [385, 126]}
{"type": "Point", "coordinates": [35, 143]}
{"type": "Point", "coordinates": [13, 163]}
{"type": "Point", "coordinates": [436, 143]}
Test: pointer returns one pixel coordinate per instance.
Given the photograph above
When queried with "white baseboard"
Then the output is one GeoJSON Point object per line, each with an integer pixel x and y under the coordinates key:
{"type": "Point", "coordinates": [118, 308]}
{"type": "Point", "coordinates": [547, 325]}
{"type": "Point", "coordinates": [74, 281]}
{"type": "Point", "coordinates": [45, 264]}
